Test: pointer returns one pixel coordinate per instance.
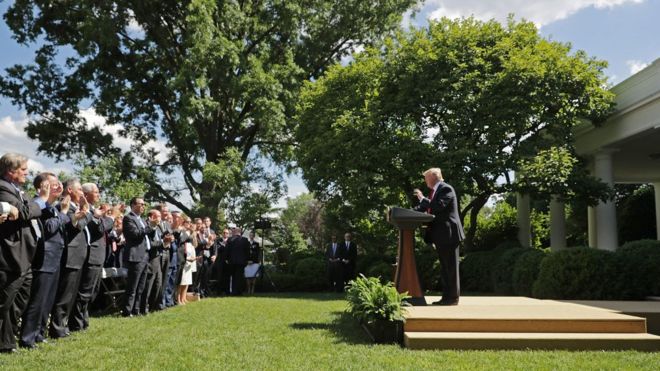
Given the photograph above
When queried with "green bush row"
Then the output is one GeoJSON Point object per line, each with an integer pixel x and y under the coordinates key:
{"type": "Point", "coordinates": [630, 273]}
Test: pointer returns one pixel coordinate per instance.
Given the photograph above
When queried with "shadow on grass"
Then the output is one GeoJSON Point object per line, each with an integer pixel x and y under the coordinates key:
{"type": "Point", "coordinates": [343, 327]}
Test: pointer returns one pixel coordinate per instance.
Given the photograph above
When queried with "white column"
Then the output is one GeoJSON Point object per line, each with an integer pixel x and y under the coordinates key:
{"type": "Point", "coordinates": [591, 218]}
{"type": "Point", "coordinates": [557, 224]}
{"type": "Point", "coordinates": [656, 186]}
{"type": "Point", "coordinates": [524, 220]}
{"type": "Point", "coordinates": [606, 233]}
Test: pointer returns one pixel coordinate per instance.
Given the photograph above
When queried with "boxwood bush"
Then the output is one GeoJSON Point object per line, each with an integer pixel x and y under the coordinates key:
{"type": "Point", "coordinates": [526, 271]}
{"type": "Point", "coordinates": [639, 269]}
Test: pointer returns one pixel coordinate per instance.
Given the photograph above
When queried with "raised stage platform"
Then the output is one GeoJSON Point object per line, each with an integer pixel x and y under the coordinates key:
{"type": "Point", "coordinates": [523, 323]}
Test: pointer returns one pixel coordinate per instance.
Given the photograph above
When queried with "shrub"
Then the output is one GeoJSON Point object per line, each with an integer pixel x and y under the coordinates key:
{"type": "Point", "coordinates": [311, 274]}
{"type": "Point", "coordinates": [577, 273]}
{"type": "Point", "coordinates": [502, 270]}
{"type": "Point", "coordinates": [370, 300]}
{"type": "Point", "coordinates": [500, 225]}
{"type": "Point", "coordinates": [639, 267]}
{"type": "Point", "coordinates": [526, 271]}
{"type": "Point", "coordinates": [428, 267]}
{"type": "Point", "coordinates": [476, 269]}
{"type": "Point", "coordinates": [383, 270]}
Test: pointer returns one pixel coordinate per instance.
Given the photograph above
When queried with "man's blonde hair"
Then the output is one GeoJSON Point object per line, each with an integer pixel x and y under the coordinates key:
{"type": "Point", "coordinates": [435, 171]}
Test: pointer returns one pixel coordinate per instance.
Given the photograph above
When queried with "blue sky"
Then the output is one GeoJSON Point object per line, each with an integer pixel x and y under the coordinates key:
{"type": "Point", "coordinates": [623, 32]}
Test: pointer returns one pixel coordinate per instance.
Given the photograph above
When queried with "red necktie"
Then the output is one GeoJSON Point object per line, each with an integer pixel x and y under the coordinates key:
{"type": "Point", "coordinates": [430, 199]}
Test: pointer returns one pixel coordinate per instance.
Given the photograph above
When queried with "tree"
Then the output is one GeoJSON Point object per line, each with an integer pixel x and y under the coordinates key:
{"type": "Point", "coordinates": [474, 98]}
{"type": "Point", "coordinates": [211, 78]}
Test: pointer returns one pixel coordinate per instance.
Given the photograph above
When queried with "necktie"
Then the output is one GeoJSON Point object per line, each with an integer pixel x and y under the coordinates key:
{"type": "Point", "coordinates": [334, 249]}
{"type": "Point", "coordinates": [430, 199]}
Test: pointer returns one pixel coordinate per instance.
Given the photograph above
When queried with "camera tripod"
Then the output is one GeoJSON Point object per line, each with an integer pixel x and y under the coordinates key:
{"type": "Point", "coordinates": [261, 272]}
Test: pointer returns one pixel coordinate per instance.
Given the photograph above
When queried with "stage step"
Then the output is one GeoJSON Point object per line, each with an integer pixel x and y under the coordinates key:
{"type": "Point", "coordinates": [535, 340]}
{"type": "Point", "coordinates": [551, 317]}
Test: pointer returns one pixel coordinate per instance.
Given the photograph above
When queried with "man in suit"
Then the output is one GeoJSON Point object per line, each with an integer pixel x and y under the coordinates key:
{"type": "Point", "coordinates": [76, 249]}
{"type": "Point", "coordinates": [169, 295]}
{"type": "Point", "coordinates": [45, 265]}
{"type": "Point", "coordinates": [333, 255]}
{"type": "Point", "coordinates": [95, 232]}
{"type": "Point", "coordinates": [221, 265]}
{"type": "Point", "coordinates": [153, 292]}
{"type": "Point", "coordinates": [348, 250]}
{"type": "Point", "coordinates": [238, 249]}
{"type": "Point", "coordinates": [19, 234]}
{"type": "Point", "coordinates": [165, 228]}
{"type": "Point", "coordinates": [138, 234]}
{"type": "Point", "coordinates": [445, 232]}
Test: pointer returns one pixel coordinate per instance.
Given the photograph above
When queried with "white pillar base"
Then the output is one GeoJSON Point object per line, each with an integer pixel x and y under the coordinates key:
{"type": "Point", "coordinates": [606, 227]}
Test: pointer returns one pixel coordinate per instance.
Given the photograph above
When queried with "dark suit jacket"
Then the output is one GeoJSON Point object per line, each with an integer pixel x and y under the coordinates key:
{"type": "Point", "coordinates": [135, 235]}
{"type": "Point", "coordinates": [446, 229]}
{"type": "Point", "coordinates": [18, 240]}
{"type": "Point", "coordinates": [98, 230]}
{"type": "Point", "coordinates": [338, 251]}
{"type": "Point", "coordinates": [157, 244]}
{"type": "Point", "coordinates": [349, 253]}
{"type": "Point", "coordinates": [75, 240]}
{"type": "Point", "coordinates": [238, 249]}
{"type": "Point", "coordinates": [181, 237]}
{"type": "Point", "coordinates": [255, 252]}
{"type": "Point", "coordinates": [50, 248]}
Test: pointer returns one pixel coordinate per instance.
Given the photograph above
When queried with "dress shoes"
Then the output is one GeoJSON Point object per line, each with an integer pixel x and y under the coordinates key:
{"type": "Point", "coordinates": [27, 346]}
{"type": "Point", "coordinates": [8, 350]}
{"type": "Point", "coordinates": [446, 302]}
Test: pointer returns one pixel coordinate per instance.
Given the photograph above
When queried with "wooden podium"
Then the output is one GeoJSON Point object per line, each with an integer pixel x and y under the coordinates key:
{"type": "Point", "coordinates": [406, 278]}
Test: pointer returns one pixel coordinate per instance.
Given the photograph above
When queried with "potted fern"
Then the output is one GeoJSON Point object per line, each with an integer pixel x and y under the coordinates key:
{"type": "Point", "coordinates": [379, 308]}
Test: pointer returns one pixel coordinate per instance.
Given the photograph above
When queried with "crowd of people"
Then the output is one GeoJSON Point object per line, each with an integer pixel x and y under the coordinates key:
{"type": "Point", "coordinates": [55, 244]}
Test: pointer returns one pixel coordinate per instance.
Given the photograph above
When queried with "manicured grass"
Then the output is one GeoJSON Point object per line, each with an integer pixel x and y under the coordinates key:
{"type": "Point", "coordinates": [276, 332]}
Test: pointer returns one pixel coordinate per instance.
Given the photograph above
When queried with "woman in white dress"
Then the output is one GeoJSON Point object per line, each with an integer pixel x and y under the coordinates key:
{"type": "Point", "coordinates": [190, 266]}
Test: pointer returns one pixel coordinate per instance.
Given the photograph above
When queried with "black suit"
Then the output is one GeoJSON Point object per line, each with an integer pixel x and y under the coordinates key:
{"type": "Point", "coordinates": [238, 249]}
{"type": "Point", "coordinates": [445, 232]}
{"type": "Point", "coordinates": [73, 259]}
{"type": "Point", "coordinates": [137, 233]}
{"type": "Point", "coordinates": [46, 271]}
{"type": "Point", "coordinates": [95, 231]}
{"type": "Point", "coordinates": [221, 266]}
{"type": "Point", "coordinates": [335, 272]}
{"type": "Point", "coordinates": [18, 244]}
{"type": "Point", "coordinates": [152, 298]}
{"type": "Point", "coordinates": [348, 253]}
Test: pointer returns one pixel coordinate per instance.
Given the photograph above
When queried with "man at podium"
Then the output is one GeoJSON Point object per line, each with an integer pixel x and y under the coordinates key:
{"type": "Point", "coordinates": [445, 232]}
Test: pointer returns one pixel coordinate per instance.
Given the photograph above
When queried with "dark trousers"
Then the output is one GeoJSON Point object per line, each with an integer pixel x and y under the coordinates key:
{"type": "Point", "coordinates": [224, 278]}
{"type": "Point", "coordinates": [42, 297]}
{"type": "Point", "coordinates": [449, 272]}
{"type": "Point", "coordinates": [11, 284]}
{"type": "Point", "coordinates": [348, 272]}
{"type": "Point", "coordinates": [21, 301]}
{"type": "Point", "coordinates": [335, 275]}
{"type": "Point", "coordinates": [65, 298]}
{"type": "Point", "coordinates": [237, 278]}
{"type": "Point", "coordinates": [203, 275]}
{"type": "Point", "coordinates": [137, 279]}
{"type": "Point", "coordinates": [89, 279]}
{"type": "Point", "coordinates": [170, 286]}
{"type": "Point", "coordinates": [153, 291]}
{"type": "Point", "coordinates": [164, 270]}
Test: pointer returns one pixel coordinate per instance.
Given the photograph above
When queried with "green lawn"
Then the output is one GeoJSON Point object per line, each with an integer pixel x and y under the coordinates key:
{"type": "Point", "coordinates": [285, 331]}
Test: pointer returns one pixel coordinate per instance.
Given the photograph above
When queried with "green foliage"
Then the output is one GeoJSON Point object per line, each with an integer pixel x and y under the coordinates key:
{"type": "Point", "coordinates": [476, 271]}
{"type": "Point", "coordinates": [311, 274]}
{"type": "Point", "coordinates": [381, 270]}
{"type": "Point", "coordinates": [578, 273]}
{"type": "Point", "coordinates": [370, 300]}
{"type": "Point", "coordinates": [498, 227]}
{"type": "Point", "coordinates": [205, 76]}
{"type": "Point", "coordinates": [503, 268]}
{"type": "Point", "coordinates": [639, 267]}
{"type": "Point", "coordinates": [558, 171]}
{"type": "Point", "coordinates": [474, 97]}
{"type": "Point", "coordinates": [117, 178]}
{"type": "Point", "coordinates": [526, 271]}
{"type": "Point", "coordinates": [428, 267]}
